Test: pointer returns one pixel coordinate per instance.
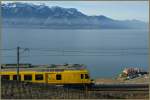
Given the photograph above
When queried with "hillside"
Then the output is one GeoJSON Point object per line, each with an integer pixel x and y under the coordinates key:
{"type": "Point", "coordinates": [138, 80]}
{"type": "Point", "coordinates": [30, 15]}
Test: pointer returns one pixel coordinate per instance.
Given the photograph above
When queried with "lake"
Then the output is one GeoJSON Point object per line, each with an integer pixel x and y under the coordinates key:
{"type": "Point", "coordinates": [105, 52]}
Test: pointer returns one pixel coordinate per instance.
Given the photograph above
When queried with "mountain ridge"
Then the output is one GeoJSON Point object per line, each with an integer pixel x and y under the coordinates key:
{"type": "Point", "coordinates": [24, 14]}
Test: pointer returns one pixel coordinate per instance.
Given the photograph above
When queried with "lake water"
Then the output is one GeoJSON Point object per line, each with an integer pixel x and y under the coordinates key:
{"type": "Point", "coordinates": [105, 52]}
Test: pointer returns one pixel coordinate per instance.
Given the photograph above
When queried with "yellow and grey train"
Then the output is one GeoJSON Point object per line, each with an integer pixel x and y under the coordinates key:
{"type": "Point", "coordinates": [51, 74]}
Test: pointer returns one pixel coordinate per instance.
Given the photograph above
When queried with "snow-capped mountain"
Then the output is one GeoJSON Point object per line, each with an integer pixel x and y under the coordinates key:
{"type": "Point", "coordinates": [24, 14]}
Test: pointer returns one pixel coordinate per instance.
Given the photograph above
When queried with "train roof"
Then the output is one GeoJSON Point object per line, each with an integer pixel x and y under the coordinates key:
{"type": "Point", "coordinates": [47, 68]}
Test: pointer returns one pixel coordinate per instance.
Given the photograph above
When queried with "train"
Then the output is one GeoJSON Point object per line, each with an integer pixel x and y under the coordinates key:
{"type": "Point", "coordinates": [63, 74]}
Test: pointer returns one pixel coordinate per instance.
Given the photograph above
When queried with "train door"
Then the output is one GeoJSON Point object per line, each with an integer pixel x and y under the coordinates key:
{"type": "Point", "coordinates": [50, 77]}
{"type": "Point", "coordinates": [82, 78]}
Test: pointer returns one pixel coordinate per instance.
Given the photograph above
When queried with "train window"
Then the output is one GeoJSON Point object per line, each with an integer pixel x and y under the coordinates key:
{"type": "Point", "coordinates": [58, 77]}
{"type": "Point", "coordinates": [15, 77]}
{"type": "Point", "coordinates": [39, 77]}
{"type": "Point", "coordinates": [81, 76]}
{"type": "Point", "coordinates": [86, 76]}
{"type": "Point", "coordinates": [5, 77]}
{"type": "Point", "coordinates": [28, 77]}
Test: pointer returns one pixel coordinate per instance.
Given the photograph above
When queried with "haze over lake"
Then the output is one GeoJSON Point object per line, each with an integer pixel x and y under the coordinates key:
{"type": "Point", "coordinates": [105, 52]}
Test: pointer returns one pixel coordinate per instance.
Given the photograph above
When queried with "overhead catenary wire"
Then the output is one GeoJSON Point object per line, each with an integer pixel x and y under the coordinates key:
{"type": "Point", "coordinates": [81, 55]}
{"type": "Point", "coordinates": [79, 49]}
{"type": "Point", "coordinates": [8, 49]}
{"type": "Point", "coordinates": [78, 52]}
{"type": "Point", "coordinates": [57, 49]}
{"type": "Point", "coordinates": [84, 50]}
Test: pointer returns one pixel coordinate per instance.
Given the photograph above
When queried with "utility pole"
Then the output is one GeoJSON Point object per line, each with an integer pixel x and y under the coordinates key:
{"type": "Point", "coordinates": [18, 63]}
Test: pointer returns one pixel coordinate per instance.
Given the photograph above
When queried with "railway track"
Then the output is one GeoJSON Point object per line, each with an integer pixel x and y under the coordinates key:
{"type": "Point", "coordinates": [94, 87]}
{"type": "Point", "coordinates": [119, 87]}
{"type": "Point", "coordinates": [25, 90]}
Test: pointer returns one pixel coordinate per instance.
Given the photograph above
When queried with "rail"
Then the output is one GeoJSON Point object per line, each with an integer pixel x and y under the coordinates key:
{"type": "Point", "coordinates": [120, 87]}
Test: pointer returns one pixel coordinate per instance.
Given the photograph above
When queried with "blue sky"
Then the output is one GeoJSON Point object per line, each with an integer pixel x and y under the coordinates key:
{"type": "Point", "coordinates": [121, 10]}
